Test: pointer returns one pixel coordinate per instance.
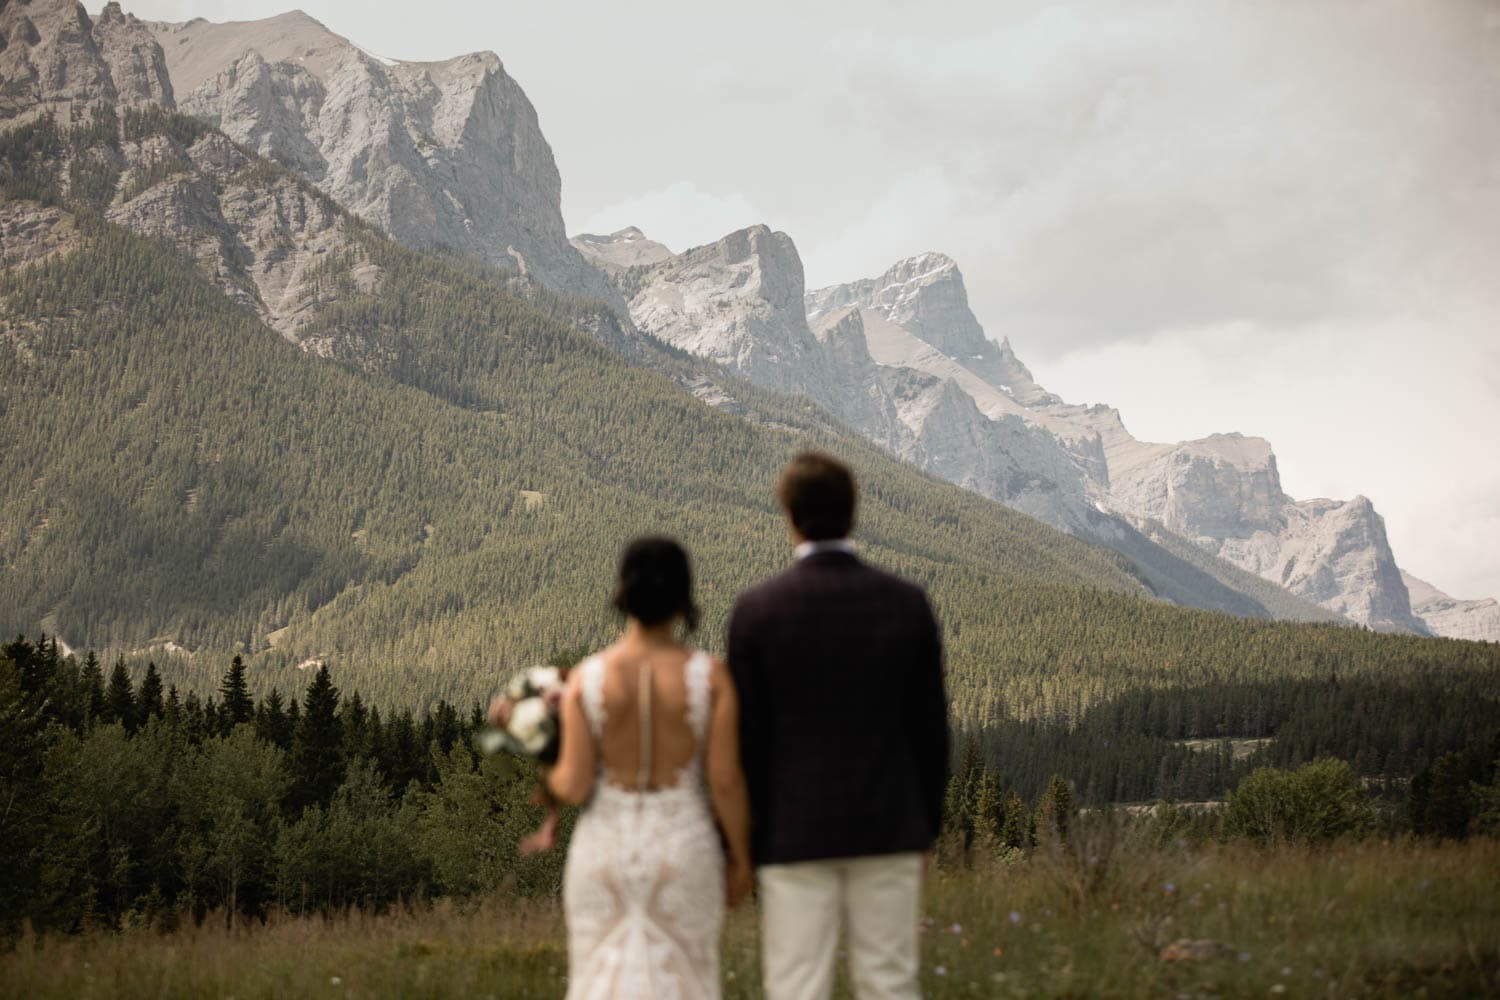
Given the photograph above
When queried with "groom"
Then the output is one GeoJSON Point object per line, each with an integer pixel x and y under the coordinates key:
{"type": "Point", "coordinates": [844, 730]}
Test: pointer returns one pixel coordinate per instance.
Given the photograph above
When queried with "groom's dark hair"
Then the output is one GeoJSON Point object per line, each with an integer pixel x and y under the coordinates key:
{"type": "Point", "coordinates": [819, 495]}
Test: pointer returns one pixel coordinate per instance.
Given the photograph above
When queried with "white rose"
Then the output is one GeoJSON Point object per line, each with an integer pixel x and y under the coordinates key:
{"type": "Point", "coordinates": [530, 724]}
{"type": "Point", "coordinates": [515, 689]}
{"type": "Point", "coordinates": [543, 679]}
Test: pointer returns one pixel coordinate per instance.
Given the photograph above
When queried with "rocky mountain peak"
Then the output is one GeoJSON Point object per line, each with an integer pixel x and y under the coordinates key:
{"type": "Point", "coordinates": [842, 334]}
{"type": "Point", "coordinates": [925, 295]}
{"type": "Point", "coordinates": [49, 60]}
{"type": "Point", "coordinates": [136, 62]}
{"type": "Point", "coordinates": [1222, 493]}
{"type": "Point", "coordinates": [774, 256]}
{"type": "Point", "coordinates": [445, 153]}
{"type": "Point", "coordinates": [620, 249]}
{"type": "Point", "coordinates": [737, 301]}
{"type": "Point", "coordinates": [55, 59]}
{"type": "Point", "coordinates": [1451, 616]}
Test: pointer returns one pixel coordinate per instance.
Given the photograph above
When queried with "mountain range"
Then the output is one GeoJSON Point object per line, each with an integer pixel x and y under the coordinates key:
{"type": "Point", "coordinates": [277, 156]}
{"type": "Point", "coordinates": [913, 370]}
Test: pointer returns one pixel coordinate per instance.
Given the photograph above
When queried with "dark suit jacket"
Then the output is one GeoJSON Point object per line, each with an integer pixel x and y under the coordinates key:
{"type": "Point", "coordinates": [843, 716]}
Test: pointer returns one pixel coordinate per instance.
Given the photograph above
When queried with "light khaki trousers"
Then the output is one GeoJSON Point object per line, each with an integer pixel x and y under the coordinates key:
{"type": "Point", "coordinates": [803, 906]}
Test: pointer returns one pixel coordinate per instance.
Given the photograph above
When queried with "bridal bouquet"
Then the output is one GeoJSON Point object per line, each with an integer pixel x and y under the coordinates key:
{"type": "Point", "coordinates": [525, 716]}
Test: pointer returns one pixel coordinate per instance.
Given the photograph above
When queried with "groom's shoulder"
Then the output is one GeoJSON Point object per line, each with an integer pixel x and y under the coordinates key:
{"type": "Point", "coordinates": [802, 576]}
{"type": "Point", "coordinates": [765, 592]}
{"type": "Point", "coordinates": [897, 584]}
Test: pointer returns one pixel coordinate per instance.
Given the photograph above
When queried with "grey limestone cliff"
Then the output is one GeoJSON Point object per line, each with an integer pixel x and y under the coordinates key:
{"type": "Point", "coordinates": [1222, 494]}
{"type": "Point", "coordinates": [55, 59]}
{"type": "Point", "coordinates": [439, 154]}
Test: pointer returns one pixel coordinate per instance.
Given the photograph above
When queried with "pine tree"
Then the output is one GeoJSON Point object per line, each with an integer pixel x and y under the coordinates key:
{"type": "Point", "coordinates": [355, 722]}
{"type": "Point", "coordinates": [986, 810]}
{"type": "Point", "coordinates": [271, 722]}
{"type": "Point", "coordinates": [317, 750]}
{"type": "Point", "coordinates": [149, 698]}
{"type": "Point", "coordinates": [445, 727]}
{"type": "Point", "coordinates": [172, 710]}
{"type": "Point", "coordinates": [1056, 810]}
{"type": "Point", "coordinates": [237, 706]}
{"type": "Point", "coordinates": [92, 680]}
{"type": "Point", "coordinates": [1018, 829]}
{"type": "Point", "coordinates": [957, 816]}
{"type": "Point", "coordinates": [195, 721]}
{"type": "Point", "coordinates": [119, 698]}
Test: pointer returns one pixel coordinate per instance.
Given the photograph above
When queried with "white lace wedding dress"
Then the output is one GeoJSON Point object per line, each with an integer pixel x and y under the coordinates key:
{"type": "Point", "coordinates": [644, 884]}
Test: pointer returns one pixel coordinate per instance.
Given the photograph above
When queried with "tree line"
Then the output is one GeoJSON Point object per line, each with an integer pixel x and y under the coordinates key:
{"type": "Point", "coordinates": [133, 803]}
{"type": "Point", "coordinates": [126, 799]}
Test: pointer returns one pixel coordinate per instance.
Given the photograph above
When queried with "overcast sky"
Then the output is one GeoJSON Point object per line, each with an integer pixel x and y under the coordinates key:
{"type": "Point", "coordinates": [1280, 217]}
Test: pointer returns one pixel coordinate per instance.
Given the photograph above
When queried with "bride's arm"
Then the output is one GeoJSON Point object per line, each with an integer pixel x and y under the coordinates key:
{"type": "Point", "coordinates": [726, 781]}
{"type": "Point", "coordinates": [571, 781]}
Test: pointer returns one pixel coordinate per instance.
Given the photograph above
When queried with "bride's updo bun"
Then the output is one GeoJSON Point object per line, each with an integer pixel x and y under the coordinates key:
{"type": "Point", "coordinates": [656, 583]}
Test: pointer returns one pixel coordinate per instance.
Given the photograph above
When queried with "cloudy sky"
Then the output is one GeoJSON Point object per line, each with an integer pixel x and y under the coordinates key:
{"type": "Point", "coordinates": [1274, 216]}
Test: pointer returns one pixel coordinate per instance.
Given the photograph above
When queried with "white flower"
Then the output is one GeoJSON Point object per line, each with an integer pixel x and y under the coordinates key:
{"type": "Point", "coordinates": [543, 679]}
{"type": "Point", "coordinates": [491, 742]}
{"type": "Point", "coordinates": [531, 724]}
{"type": "Point", "coordinates": [531, 682]}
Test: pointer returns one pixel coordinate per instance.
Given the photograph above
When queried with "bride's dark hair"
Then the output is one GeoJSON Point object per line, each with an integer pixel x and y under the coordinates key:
{"type": "Point", "coordinates": [656, 582]}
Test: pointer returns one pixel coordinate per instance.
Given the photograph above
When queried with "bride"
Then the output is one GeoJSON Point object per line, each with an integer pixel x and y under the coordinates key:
{"type": "Point", "coordinates": [644, 722]}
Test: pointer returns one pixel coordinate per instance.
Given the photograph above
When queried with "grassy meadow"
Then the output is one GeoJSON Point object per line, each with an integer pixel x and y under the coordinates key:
{"type": "Point", "coordinates": [1097, 918]}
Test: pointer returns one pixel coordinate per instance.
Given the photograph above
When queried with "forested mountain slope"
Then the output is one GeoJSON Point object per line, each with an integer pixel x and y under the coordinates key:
{"type": "Point", "coordinates": [451, 498]}
{"type": "Point", "coordinates": [424, 478]}
{"type": "Point", "coordinates": [175, 470]}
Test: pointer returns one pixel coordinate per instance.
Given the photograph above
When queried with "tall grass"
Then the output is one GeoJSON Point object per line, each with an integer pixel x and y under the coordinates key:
{"type": "Point", "coordinates": [1091, 918]}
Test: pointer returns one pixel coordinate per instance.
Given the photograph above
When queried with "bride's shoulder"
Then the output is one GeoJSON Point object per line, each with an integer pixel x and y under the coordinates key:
{"type": "Point", "coordinates": [715, 669]}
{"type": "Point", "coordinates": [590, 665]}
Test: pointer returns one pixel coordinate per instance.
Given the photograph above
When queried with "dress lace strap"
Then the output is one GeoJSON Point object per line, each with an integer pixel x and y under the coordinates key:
{"type": "Point", "coordinates": [643, 692]}
{"type": "Point", "coordinates": [592, 683]}
{"type": "Point", "coordinates": [696, 681]}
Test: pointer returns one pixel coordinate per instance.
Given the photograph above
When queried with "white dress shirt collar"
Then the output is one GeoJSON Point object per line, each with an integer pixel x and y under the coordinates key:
{"type": "Point", "coordinates": [829, 545]}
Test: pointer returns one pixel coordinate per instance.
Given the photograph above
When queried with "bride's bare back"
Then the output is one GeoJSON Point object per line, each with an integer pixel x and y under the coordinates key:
{"type": "Point", "coordinates": [665, 722]}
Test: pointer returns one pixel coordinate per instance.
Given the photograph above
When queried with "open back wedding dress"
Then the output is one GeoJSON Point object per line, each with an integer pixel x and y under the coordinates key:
{"type": "Point", "coordinates": [644, 883]}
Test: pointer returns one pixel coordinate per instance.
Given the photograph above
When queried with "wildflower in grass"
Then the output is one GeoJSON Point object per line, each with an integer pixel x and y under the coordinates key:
{"type": "Point", "coordinates": [956, 929]}
{"type": "Point", "coordinates": [941, 970]}
{"type": "Point", "coordinates": [1286, 970]}
{"type": "Point", "coordinates": [1279, 988]}
{"type": "Point", "coordinates": [1244, 956]}
{"type": "Point", "coordinates": [1170, 888]}
{"type": "Point", "coordinates": [1015, 917]}
{"type": "Point", "coordinates": [999, 951]}
{"type": "Point", "coordinates": [335, 981]}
